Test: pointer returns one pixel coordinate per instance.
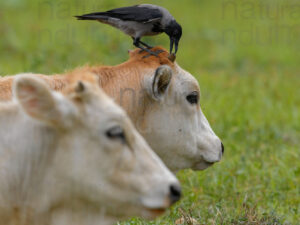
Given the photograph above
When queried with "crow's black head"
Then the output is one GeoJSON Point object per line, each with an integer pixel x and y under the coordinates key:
{"type": "Point", "coordinates": [174, 31]}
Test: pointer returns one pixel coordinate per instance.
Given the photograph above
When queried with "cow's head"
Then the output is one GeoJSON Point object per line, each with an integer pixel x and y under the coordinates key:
{"type": "Point", "coordinates": [173, 122]}
{"type": "Point", "coordinates": [101, 161]}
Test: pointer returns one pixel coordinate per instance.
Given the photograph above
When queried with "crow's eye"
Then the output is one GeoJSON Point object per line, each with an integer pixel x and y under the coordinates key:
{"type": "Point", "coordinates": [193, 97]}
{"type": "Point", "coordinates": [116, 133]}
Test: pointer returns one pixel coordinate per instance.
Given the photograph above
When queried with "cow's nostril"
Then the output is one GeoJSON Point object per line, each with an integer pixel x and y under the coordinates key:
{"type": "Point", "coordinates": [223, 149]}
{"type": "Point", "coordinates": [175, 193]}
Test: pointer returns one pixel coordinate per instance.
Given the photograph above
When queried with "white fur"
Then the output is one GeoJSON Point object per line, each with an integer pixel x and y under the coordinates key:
{"type": "Point", "coordinates": [65, 170]}
{"type": "Point", "coordinates": [178, 131]}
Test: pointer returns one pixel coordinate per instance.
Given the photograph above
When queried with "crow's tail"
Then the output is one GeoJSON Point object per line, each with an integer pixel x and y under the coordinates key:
{"type": "Point", "coordinates": [85, 18]}
{"type": "Point", "coordinates": [92, 16]}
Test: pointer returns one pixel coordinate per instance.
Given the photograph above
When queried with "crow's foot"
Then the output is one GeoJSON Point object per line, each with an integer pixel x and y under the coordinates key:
{"type": "Point", "coordinates": [156, 53]}
{"type": "Point", "coordinates": [146, 45]}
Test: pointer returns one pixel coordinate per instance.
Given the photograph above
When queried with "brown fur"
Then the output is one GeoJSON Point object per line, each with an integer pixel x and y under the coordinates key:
{"type": "Point", "coordinates": [129, 72]}
{"type": "Point", "coordinates": [115, 80]}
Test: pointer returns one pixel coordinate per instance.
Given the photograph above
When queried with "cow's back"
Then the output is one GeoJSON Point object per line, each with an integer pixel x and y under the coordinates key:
{"type": "Point", "coordinates": [5, 88]}
{"type": "Point", "coordinates": [127, 74]}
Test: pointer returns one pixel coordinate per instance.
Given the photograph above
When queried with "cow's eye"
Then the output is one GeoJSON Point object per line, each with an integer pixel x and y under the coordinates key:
{"type": "Point", "coordinates": [193, 97]}
{"type": "Point", "coordinates": [116, 133]}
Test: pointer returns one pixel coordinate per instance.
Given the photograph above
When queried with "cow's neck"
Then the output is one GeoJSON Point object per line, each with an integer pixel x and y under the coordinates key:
{"type": "Point", "coordinates": [26, 149]}
{"type": "Point", "coordinates": [124, 83]}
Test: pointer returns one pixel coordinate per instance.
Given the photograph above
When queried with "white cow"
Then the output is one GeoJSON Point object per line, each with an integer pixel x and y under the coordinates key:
{"type": "Point", "coordinates": [75, 158]}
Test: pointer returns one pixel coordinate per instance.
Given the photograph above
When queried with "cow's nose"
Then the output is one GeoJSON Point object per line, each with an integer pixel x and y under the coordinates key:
{"type": "Point", "coordinates": [223, 149]}
{"type": "Point", "coordinates": [175, 193]}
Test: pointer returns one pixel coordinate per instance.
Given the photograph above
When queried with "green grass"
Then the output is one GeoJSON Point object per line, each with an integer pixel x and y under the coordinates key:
{"type": "Point", "coordinates": [247, 64]}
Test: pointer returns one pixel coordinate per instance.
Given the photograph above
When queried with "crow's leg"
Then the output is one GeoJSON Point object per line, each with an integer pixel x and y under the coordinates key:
{"type": "Point", "coordinates": [146, 45]}
{"type": "Point", "coordinates": [143, 43]}
{"type": "Point", "coordinates": [136, 43]}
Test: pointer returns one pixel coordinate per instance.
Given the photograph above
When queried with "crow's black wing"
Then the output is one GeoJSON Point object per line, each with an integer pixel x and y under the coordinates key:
{"type": "Point", "coordinates": [132, 13]}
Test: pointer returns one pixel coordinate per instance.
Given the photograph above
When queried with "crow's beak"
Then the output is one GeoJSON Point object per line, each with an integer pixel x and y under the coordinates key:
{"type": "Point", "coordinates": [171, 45]}
{"type": "Point", "coordinates": [176, 45]}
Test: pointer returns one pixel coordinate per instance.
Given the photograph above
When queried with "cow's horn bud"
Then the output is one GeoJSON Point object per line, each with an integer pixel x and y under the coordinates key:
{"type": "Point", "coordinates": [80, 87]}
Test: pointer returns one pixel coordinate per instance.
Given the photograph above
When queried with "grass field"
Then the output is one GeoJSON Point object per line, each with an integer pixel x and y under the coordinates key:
{"type": "Point", "coordinates": [246, 56]}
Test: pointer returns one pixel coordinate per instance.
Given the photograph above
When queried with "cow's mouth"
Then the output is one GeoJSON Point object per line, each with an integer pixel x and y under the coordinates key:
{"type": "Point", "coordinates": [155, 207]}
{"type": "Point", "coordinates": [202, 165]}
{"type": "Point", "coordinates": [152, 213]}
{"type": "Point", "coordinates": [157, 211]}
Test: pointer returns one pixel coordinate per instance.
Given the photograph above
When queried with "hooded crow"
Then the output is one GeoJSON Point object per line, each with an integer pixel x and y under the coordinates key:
{"type": "Point", "coordinates": [141, 20]}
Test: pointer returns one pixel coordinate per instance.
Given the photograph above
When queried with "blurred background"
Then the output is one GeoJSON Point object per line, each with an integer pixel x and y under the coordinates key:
{"type": "Point", "coordinates": [246, 57]}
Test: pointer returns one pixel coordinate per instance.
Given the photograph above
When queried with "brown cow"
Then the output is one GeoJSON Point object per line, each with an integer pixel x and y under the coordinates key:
{"type": "Point", "coordinates": [162, 100]}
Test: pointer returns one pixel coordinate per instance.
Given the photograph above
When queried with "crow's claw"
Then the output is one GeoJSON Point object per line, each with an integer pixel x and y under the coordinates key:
{"type": "Point", "coordinates": [156, 53]}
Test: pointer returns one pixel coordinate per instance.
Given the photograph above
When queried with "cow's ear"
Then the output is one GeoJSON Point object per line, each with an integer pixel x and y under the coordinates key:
{"type": "Point", "coordinates": [36, 99]}
{"type": "Point", "coordinates": [161, 81]}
